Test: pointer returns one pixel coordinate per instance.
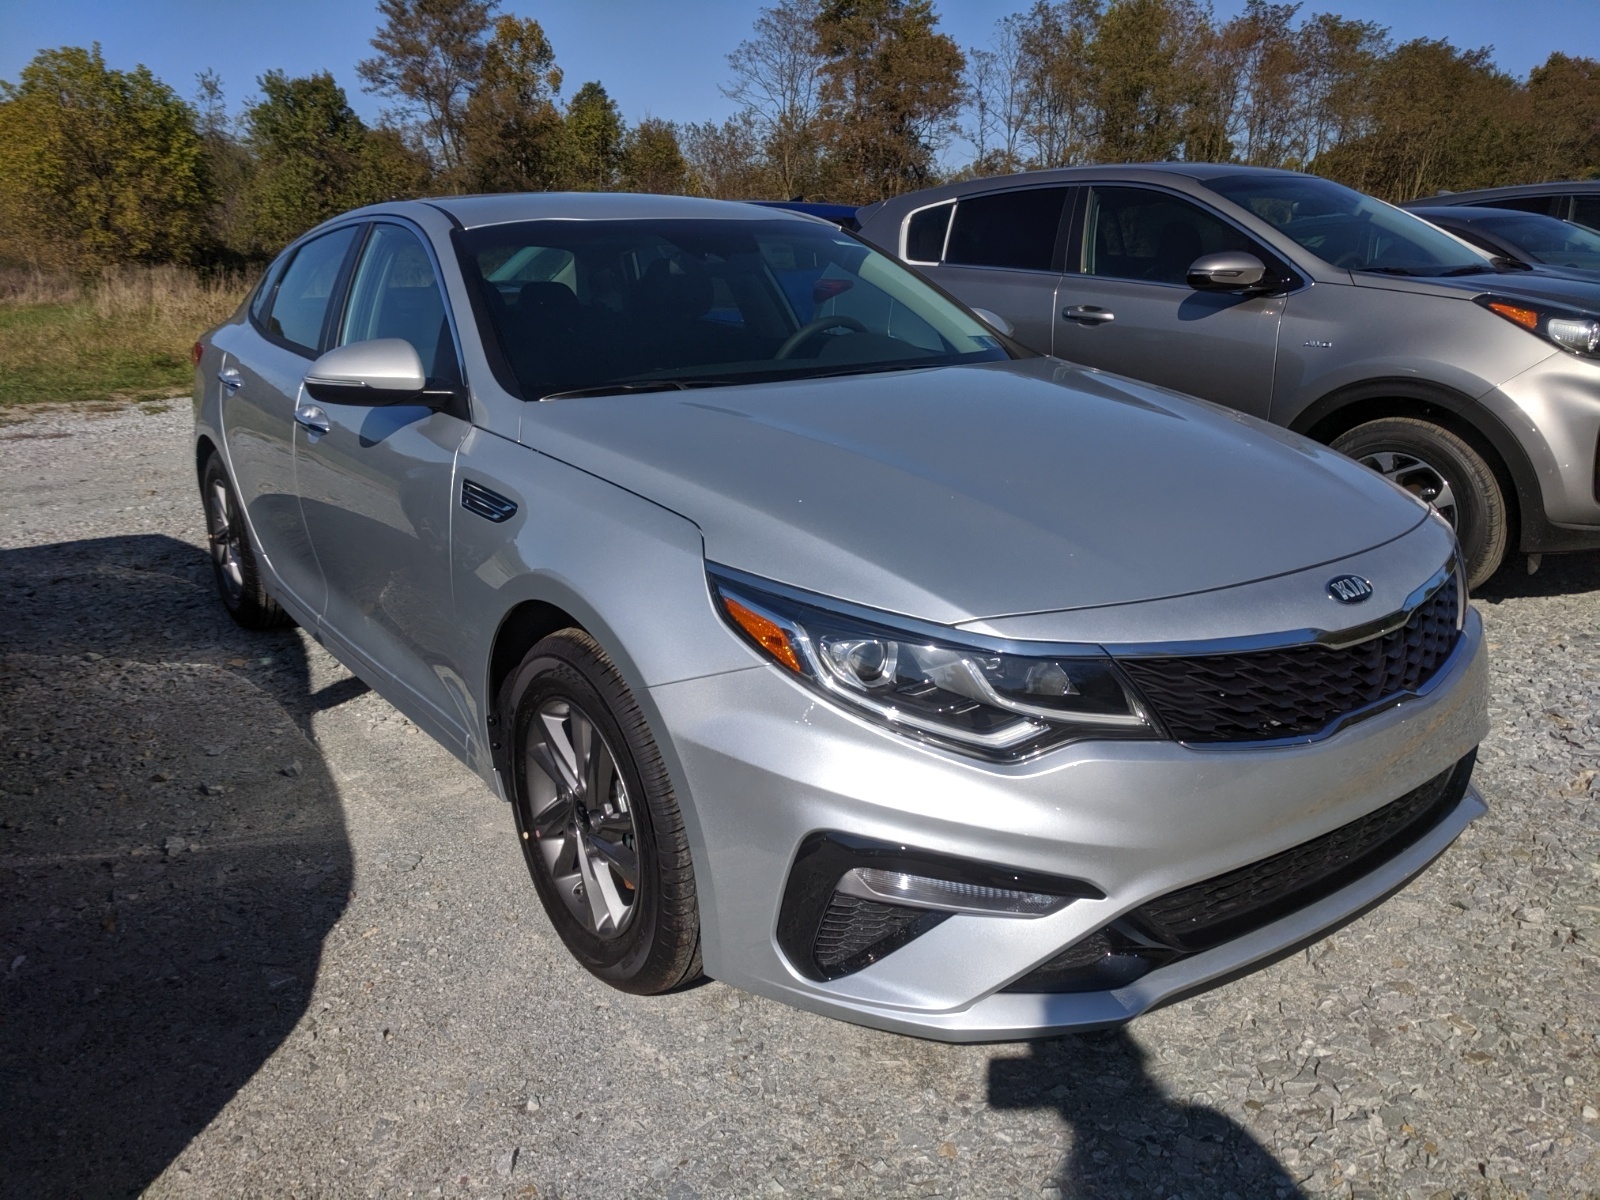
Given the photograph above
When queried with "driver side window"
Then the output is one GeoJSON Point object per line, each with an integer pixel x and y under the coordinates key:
{"type": "Point", "coordinates": [396, 294]}
{"type": "Point", "coordinates": [1136, 233]}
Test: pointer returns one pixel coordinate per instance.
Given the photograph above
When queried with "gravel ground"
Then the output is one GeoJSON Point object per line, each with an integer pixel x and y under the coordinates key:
{"type": "Point", "coordinates": [258, 935]}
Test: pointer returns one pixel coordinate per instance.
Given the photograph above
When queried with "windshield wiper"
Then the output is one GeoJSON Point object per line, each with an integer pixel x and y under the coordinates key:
{"type": "Point", "coordinates": [613, 389]}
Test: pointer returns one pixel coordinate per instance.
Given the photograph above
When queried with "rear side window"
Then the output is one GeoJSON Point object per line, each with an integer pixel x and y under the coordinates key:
{"type": "Point", "coordinates": [395, 294]}
{"type": "Point", "coordinates": [1546, 205]}
{"type": "Point", "coordinates": [300, 300]}
{"type": "Point", "coordinates": [263, 296]}
{"type": "Point", "coordinates": [925, 233]}
{"type": "Point", "coordinates": [1009, 229]}
{"type": "Point", "coordinates": [1134, 233]}
{"type": "Point", "coordinates": [1586, 211]}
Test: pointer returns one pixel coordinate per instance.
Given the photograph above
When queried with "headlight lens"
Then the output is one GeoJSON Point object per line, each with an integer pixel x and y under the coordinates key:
{"type": "Point", "coordinates": [981, 701]}
{"type": "Point", "coordinates": [1569, 330]}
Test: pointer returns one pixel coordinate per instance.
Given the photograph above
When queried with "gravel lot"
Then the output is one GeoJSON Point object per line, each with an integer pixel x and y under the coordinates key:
{"type": "Point", "coordinates": [259, 935]}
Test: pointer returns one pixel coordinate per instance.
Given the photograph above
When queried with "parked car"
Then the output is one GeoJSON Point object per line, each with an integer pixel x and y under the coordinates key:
{"type": "Point", "coordinates": [1304, 303]}
{"type": "Point", "coordinates": [1555, 245]}
{"type": "Point", "coordinates": [815, 634]}
{"type": "Point", "coordinates": [842, 215]}
{"type": "Point", "coordinates": [1573, 200]}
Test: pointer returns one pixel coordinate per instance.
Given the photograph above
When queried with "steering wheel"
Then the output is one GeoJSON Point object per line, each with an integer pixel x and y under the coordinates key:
{"type": "Point", "coordinates": [806, 332]}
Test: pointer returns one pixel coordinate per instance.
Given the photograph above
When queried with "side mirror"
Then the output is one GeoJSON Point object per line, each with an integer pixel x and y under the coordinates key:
{"type": "Point", "coordinates": [1229, 271]}
{"type": "Point", "coordinates": [995, 321]}
{"type": "Point", "coordinates": [379, 372]}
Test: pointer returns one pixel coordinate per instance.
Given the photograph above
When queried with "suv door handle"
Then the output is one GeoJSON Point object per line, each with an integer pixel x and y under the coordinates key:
{"type": "Point", "coordinates": [312, 418]}
{"type": "Point", "coordinates": [230, 378]}
{"type": "Point", "coordinates": [1088, 314]}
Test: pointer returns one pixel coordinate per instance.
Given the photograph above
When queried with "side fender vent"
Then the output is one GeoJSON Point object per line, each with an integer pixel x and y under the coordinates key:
{"type": "Point", "coordinates": [492, 506]}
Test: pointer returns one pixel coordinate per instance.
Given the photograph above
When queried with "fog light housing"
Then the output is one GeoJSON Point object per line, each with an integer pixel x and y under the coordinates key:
{"type": "Point", "coordinates": [947, 895]}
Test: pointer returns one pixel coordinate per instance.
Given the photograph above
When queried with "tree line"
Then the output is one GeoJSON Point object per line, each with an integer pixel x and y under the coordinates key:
{"type": "Point", "coordinates": [845, 100]}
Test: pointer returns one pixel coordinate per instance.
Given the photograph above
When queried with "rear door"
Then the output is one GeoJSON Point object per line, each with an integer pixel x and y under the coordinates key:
{"type": "Point", "coordinates": [377, 491]}
{"type": "Point", "coordinates": [259, 388]}
{"type": "Point", "coordinates": [1000, 251]}
{"type": "Point", "coordinates": [1124, 305]}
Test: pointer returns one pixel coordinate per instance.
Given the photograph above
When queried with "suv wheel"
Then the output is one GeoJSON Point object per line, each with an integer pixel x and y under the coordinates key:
{"type": "Point", "coordinates": [1435, 465]}
{"type": "Point", "coordinates": [598, 821]}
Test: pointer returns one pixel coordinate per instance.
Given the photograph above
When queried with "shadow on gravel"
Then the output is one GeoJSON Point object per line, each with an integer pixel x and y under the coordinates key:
{"type": "Point", "coordinates": [1558, 575]}
{"type": "Point", "coordinates": [1128, 1139]}
{"type": "Point", "coordinates": [172, 854]}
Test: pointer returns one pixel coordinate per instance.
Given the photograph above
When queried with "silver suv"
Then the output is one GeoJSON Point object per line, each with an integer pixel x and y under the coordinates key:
{"type": "Point", "coordinates": [1472, 385]}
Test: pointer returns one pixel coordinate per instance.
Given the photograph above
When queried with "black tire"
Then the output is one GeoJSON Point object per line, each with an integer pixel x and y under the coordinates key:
{"type": "Point", "coordinates": [655, 946]}
{"type": "Point", "coordinates": [1479, 516]}
{"type": "Point", "coordinates": [233, 558]}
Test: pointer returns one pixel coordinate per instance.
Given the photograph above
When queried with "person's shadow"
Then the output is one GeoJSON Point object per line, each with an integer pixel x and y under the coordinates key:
{"type": "Point", "coordinates": [1128, 1139]}
{"type": "Point", "coordinates": [172, 854]}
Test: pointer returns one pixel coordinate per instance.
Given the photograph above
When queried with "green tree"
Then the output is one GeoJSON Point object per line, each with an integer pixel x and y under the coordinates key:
{"type": "Point", "coordinates": [98, 166]}
{"type": "Point", "coordinates": [591, 141]}
{"type": "Point", "coordinates": [891, 90]}
{"type": "Point", "coordinates": [231, 168]}
{"type": "Point", "coordinates": [315, 158]}
{"type": "Point", "coordinates": [430, 58]}
{"type": "Point", "coordinates": [725, 161]}
{"type": "Point", "coordinates": [1143, 78]}
{"type": "Point", "coordinates": [1439, 118]}
{"type": "Point", "coordinates": [777, 81]}
{"type": "Point", "coordinates": [652, 159]}
{"type": "Point", "coordinates": [1564, 118]}
{"type": "Point", "coordinates": [512, 130]}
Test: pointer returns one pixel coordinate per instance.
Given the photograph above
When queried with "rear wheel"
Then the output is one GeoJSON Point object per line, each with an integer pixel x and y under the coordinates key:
{"type": "Point", "coordinates": [233, 559]}
{"type": "Point", "coordinates": [1435, 465]}
{"type": "Point", "coordinates": [598, 821]}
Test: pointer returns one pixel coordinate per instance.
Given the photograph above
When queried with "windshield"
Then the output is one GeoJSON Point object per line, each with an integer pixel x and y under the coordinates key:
{"type": "Point", "coordinates": [1546, 239]}
{"type": "Point", "coordinates": [590, 306]}
{"type": "Point", "coordinates": [1347, 229]}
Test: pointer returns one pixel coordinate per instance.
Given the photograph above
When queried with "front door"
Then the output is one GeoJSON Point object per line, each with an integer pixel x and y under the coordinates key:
{"type": "Point", "coordinates": [259, 389]}
{"type": "Point", "coordinates": [1127, 308]}
{"type": "Point", "coordinates": [377, 491]}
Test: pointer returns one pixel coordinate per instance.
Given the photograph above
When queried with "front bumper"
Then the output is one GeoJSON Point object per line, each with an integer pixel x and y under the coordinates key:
{"type": "Point", "coordinates": [765, 763]}
{"type": "Point", "coordinates": [1553, 409]}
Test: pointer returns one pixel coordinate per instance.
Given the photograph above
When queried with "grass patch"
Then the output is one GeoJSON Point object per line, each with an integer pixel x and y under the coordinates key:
{"type": "Point", "coordinates": [123, 337]}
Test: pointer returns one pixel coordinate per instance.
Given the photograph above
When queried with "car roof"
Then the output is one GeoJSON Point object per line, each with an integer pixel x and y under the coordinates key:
{"type": "Point", "coordinates": [474, 212]}
{"type": "Point", "coordinates": [1477, 196]}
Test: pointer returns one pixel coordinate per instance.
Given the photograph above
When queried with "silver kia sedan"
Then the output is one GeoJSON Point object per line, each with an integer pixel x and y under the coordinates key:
{"type": "Point", "coordinates": [822, 640]}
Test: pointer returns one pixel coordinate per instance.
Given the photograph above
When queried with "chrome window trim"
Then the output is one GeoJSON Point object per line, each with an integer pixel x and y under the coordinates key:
{"type": "Point", "coordinates": [905, 231]}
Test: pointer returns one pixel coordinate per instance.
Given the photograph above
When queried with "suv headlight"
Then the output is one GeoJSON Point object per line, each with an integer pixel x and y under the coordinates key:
{"type": "Point", "coordinates": [1570, 330]}
{"type": "Point", "coordinates": [926, 685]}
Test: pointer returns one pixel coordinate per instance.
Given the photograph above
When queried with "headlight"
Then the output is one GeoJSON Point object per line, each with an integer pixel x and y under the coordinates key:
{"type": "Point", "coordinates": [1570, 330]}
{"type": "Point", "coordinates": [979, 700]}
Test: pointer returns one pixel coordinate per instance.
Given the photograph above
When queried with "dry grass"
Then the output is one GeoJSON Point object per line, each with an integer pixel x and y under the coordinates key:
{"type": "Point", "coordinates": [123, 336]}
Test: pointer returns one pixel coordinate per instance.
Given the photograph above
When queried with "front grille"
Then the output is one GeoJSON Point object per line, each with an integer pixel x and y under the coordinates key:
{"type": "Point", "coordinates": [1301, 690]}
{"type": "Point", "coordinates": [856, 932]}
{"type": "Point", "coordinates": [1206, 914]}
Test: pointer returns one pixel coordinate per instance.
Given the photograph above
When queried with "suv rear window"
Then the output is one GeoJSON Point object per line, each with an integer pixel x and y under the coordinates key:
{"type": "Point", "coordinates": [1008, 229]}
{"type": "Point", "coordinates": [925, 233]}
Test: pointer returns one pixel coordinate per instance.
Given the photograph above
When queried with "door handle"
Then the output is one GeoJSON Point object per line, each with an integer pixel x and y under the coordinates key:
{"type": "Point", "coordinates": [230, 378]}
{"type": "Point", "coordinates": [1088, 314]}
{"type": "Point", "coordinates": [312, 418]}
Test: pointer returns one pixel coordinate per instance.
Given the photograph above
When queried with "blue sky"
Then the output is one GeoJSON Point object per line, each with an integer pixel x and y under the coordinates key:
{"type": "Point", "coordinates": [656, 58]}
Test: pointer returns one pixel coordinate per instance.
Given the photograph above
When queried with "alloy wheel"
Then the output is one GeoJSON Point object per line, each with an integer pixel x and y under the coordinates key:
{"type": "Point", "coordinates": [225, 534]}
{"type": "Point", "coordinates": [1421, 479]}
{"type": "Point", "coordinates": [582, 818]}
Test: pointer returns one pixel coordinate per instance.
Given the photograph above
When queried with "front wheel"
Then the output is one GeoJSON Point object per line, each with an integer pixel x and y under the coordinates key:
{"type": "Point", "coordinates": [598, 821]}
{"type": "Point", "coordinates": [1435, 465]}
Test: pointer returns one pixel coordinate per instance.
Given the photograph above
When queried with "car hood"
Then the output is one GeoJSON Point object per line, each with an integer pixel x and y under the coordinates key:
{"type": "Point", "coordinates": [958, 493]}
{"type": "Point", "coordinates": [1552, 285]}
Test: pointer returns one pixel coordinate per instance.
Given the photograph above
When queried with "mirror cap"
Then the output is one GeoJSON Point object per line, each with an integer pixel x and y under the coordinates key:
{"type": "Point", "coordinates": [382, 371]}
{"type": "Point", "coordinates": [995, 321]}
{"type": "Point", "coordinates": [1227, 271]}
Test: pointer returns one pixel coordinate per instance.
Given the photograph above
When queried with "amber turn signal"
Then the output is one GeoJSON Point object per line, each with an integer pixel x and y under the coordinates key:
{"type": "Point", "coordinates": [766, 633]}
{"type": "Point", "coordinates": [1525, 317]}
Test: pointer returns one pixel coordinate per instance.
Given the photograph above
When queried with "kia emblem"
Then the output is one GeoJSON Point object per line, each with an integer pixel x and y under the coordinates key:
{"type": "Point", "coordinates": [1349, 589]}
